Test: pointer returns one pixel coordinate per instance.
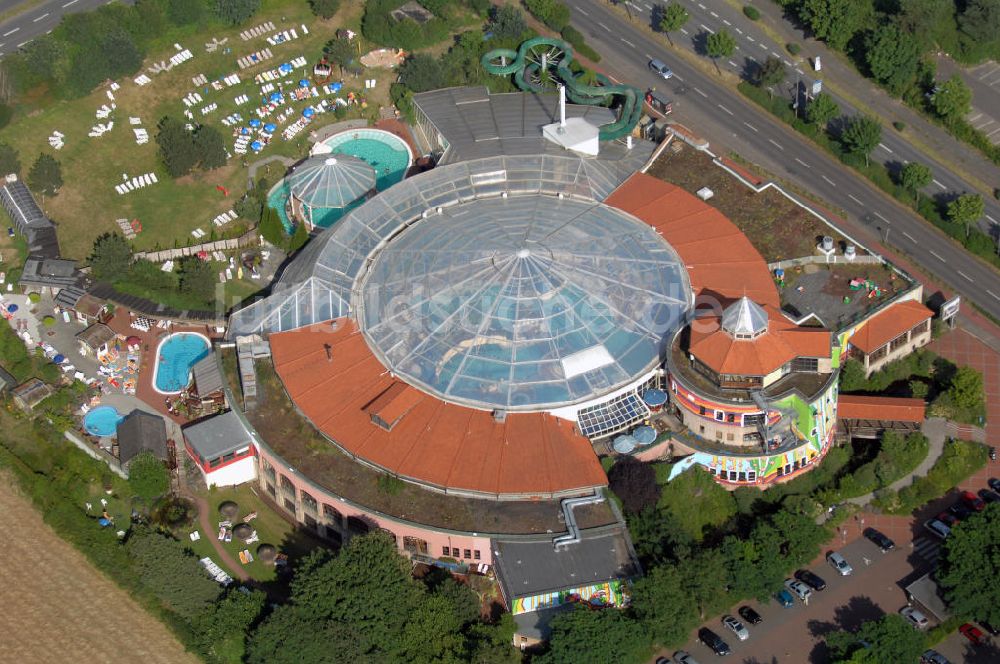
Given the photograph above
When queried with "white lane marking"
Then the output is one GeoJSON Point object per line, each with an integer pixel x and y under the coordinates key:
{"type": "Point", "coordinates": [802, 162]}
{"type": "Point", "coordinates": [993, 295]}
{"type": "Point", "coordinates": [582, 11]}
{"type": "Point", "coordinates": [10, 32]}
{"type": "Point", "coordinates": [938, 183]}
{"type": "Point", "coordinates": [965, 276]}
{"type": "Point", "coordinates": [937, 256]}
{"type": "Point", "coordinates": [685, 31]}
{"type": "Point", "coordinates": [26, 41]}
{"type": "Point", "coordinates": [71, 2]}
{"type": "Point", "coordinates": [36, 20]}
{"type": "Point", "coordinates": [829, 180]}
{"type": "Point", "coordinates": [776, 54]}
{"type": "Point", "coordinates": [993, 132]}
{"type": "Point", "coordinates": [628, 42]}
{"type": "Point", "coordinates": [909, 237]}
{"type": "Point", "coordinates": [787, 63]}
{"type": "Point", "coordinates": [678, 78]}
{"type": "Point", "coordinates": [648, 56]}
{"type": "Point", "coordinates": [762, 45]}
{"type": "Point", "coordinates": [881, 217]}
{"type": "Point", "coordinates": [751, 127]}
{"type": "Point", "coordinates": [604, 26]}
{"type": "Point", "coordinates": [733, 64]}
{"type": "Point", "coordinates": [648, 6]}
{"type": "Point", "coordinates": [725, 109]}
{"type": "Point", "coordinates": [738, 30]}
{"type": "Point", "coordinates": [707, 29]}
{"type": "Point", "coordinates": [750, 38]}
{"type": "Point", "coordinates": [987, 216]}
{"type": "Point", "coordinates": [853, 198]}
{"type": "Point", "coordinates": [885, 147]}
{"type": "Point", "coordinates": [726, 22]}
{"type": "Point", "coordinates": [701, 93]}
{"type": "Point", "coordinates": [776, 144]}
{"type": "Point", "coordinates": [714, 15]}
{"type": "Point", "coordinates": [702, 7]}
{"type": "Point", "coordinates": [799, 72]}
{"type": "Point", "coordinates": [975, 117]}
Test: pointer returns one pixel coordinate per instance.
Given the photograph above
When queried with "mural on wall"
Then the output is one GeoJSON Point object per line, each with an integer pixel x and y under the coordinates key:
{"type": "Point", "coordinates": [611, 593]}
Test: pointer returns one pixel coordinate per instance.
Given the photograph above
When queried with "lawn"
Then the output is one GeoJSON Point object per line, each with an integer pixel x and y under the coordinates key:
{"type": "Point", "coordinates": [88, 205]}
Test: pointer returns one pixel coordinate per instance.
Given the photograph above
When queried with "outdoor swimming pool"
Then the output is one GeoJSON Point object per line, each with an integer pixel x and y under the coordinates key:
{"type": "Point", "coordinates": [176, 355]}
{"type": "Point", "coordinates": [102, 421]}
{"type": "Point", "coordinates": [388, 154]}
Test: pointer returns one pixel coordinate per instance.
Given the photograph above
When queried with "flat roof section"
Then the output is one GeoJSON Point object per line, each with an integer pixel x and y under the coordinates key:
{"type": "Point", "coordinates": [217, 435]}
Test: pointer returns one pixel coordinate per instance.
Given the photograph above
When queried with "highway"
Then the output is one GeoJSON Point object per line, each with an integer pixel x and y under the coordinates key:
{"type": "Point", "coordinates": [21, 29]}
{"type": "Point", "coordinates": [730, 122]}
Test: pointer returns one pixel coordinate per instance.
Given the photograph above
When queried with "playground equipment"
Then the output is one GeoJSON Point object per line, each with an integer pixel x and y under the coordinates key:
{"type": "Point", "coordinates": [540, 63]}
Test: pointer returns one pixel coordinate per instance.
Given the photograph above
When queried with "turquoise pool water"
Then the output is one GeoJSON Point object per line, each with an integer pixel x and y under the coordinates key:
{"type": "Point", "coordinates": [102, 421]}
{"type": "Point", "coordinates": [177, 354]}
{"type": "Point", "coordinates": [386, 153]}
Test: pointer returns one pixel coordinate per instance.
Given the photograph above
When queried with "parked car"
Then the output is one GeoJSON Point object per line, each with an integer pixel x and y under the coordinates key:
{"type": "Point", "coordinates": [751, 616]}
{"type": "Point", "coordinates": [994, 484]}
{"type": "Point", "coordinates": [914, 617]}
{"type": "Point", "coordinates": [661, 68]}
{"type": "Point", "coordinates": [880, 540]}
{"type": "Point", "coordinates": [932, 656]}
{"type": "Point", "coordinates": [799, 589]}
{"type": "Point", "coordinates": [972, 501]}
{"type": "Point", "coordinates": [713, 641]}
{"type": "Point", "coordinates": [948, 519]}
{"type": "Point", "coordinates": [811, 579]}
{"type": "Point", "coordinates": [741, 632]}
{"type": "Point", "coordinates": [664, 660]}
{"type": "Point", "coordinates": [839, 563]}
{"type": "Point", "coordinates": [988, 627]}
{"type": "Point", "coordinates": [960, 511]}
{"type": "Point", "coordinates": [973, 634]}
{"type": "Point", "coordinates": [937, 528]}
{"type": "Point", "coordinates": [784, 598]}
{"type": "Point", "coordinates": [683, 657]}
{"type": "Point", "coordinates": [989, 496]}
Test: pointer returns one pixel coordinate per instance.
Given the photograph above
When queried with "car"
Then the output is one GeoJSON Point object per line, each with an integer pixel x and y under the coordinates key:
{"type": "Point", "coordinates": [839, 563]}
{"type": "Point", "coordinates": [960, 510]}
{"type": "Point", "coordinates": [661, 68]}
{"type": "Point", "coordinates": [914, 617]}
{"type": "Point", "coordinates": [799, 589]}
{"type": "Point", "coordinates": [880, 540]}
{"type": "Point", "coordinates": [989, 496]}
{"type": "Point", "coordinates": [663, 660]}
{"type": "Point", "coordinates": [948, 519]}
{"type": "Point", "coordinates": [811, 579]}
{"type": "Point", "coordinates": [973, 634]}
{"type": "Point", "coordinates": [932, 656]}
{"type": "Point", "coordinates": [751, 616]}
{"type": "Point", "coordinates": [972, 501]}
{"type": "Point", "coordinates": [684, 657]}
{"type": "Point", "coordinates": [713, 641]}
{"type": "Point", "coordinates": [988, 627]}
{"type": "Point", "coordinates": [741, 632]}
{"type": "Point", "coordinates": [784, 598]}
{"type": "Point", "coordinates": [994, 484]}
{"type": "Point", "coordinates": [937, 528]}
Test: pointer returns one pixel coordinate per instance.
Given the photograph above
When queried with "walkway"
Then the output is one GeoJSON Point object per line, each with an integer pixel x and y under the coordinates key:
{"type": "Point", "coordinates": [962, 348]}
{"type": "Point", "coordinates": [209, 529]}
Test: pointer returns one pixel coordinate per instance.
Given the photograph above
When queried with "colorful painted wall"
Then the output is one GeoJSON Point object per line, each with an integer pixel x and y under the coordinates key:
{"type": "Point", "coordinates": [610, 593]}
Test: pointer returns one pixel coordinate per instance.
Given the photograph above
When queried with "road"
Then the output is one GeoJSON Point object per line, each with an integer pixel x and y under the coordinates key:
{"type": "Point", "coordinates": [731, 122]}
{"type": "Point", "coordinates": [21, 29]}
{"type": "Point", "coordinates": [984, 81]}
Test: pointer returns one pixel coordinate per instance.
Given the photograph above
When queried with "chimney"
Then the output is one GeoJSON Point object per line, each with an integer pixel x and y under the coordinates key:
{"type": "Point", "coordinates": [562, 105]}
{"type": "Point", "coordinates": [329, 352]}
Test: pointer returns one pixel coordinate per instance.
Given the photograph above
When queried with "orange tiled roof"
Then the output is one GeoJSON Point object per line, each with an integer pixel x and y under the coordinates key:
{"type": "Point", "coordinates": [888, 324]}
{"type": "Point", "coordinates": [783, 341]}
{"type": "Point", "coordinates": [857, 407]}
{"type": "Point", "coordinates": [336, 381]}
{"type": "Point", "coordinates": [720, 259]}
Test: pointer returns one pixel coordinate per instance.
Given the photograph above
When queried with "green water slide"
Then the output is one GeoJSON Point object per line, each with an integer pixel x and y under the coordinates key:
{"type": "Point", "coordinates": [540, 63]}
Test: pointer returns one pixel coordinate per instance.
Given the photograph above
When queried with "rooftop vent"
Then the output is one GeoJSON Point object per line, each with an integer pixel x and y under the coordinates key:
{"type": "Point", "coordinates": [500, 415]}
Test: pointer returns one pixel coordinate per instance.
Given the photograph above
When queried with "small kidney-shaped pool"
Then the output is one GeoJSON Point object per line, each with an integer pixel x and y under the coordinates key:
{"type": "Point", "coordinates": [176, 354]}
{"type": "Point", "coordinates": [102, 421]}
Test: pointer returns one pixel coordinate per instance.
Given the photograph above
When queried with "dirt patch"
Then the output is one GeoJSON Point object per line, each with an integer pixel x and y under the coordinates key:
{"type": "Point", "coordinates": [58, 607]}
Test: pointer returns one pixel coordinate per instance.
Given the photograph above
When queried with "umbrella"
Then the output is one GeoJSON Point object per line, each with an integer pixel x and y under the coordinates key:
{"type": "Point", "coordinates": [654, 397]}
{"type": "Point", "coordinates": [276, 97]}
{"type": "Point", "coordinates": [59, 359]}
{"type": "Point", "coordinates": [254, 122]}
{"type": "Point", "coordinates": [644, 435]}
{"type": "Point", "coordinates": [244, 131]}
{"type": "Point", "coordinates": [308, 112]}
{"type": "Point", "coordinates": [336, 87]}
{"type": "Point", "coordinates": [284, 68]}
{"type": "Point", "coordinates": [303, 83]}
{"type": "Point", "coordinates": [12, 308]}
{"type": "Point", "coordinates": [624, 444]}
{"type": "Point", "coordinates": [270, 127]}
{"type": "Point", "coordinates": [256, 146]}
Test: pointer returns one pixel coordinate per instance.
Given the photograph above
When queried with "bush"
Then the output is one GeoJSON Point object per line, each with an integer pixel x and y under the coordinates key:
{"type": "Point", "coordinates": [148, 477]}
{"type": "Point", "coordinates": [235, 12]}
{"type": "Point", "coordinates": [634, 482]}
{"type": "Point", "coordinates": [6, 113]}
{"type": "Point", "coordinates": [576, 40]}
{"type": "Point", "coordinates": [34, 298]}
{"type": "Point", "coordinates": [377, 25]}
{"type": "Point", "coordinates": [48, 321]}
{"type": "Point", "coordinates": [324, 8]}
{"type": "Point", "coordinates": [793, 48]}
{"type": "Point", "coordinates": [899, 126]}
{"type": "Point", "coordinates": [957, 462]}
{"type": "Point", "coordinates": [751, 12]}
{"type": "Point", "coordinates": [552, 13]}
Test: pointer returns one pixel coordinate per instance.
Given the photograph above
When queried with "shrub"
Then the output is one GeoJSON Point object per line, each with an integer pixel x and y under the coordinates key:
{"type": "Point", "coordinates": [634, 482]}
{"type": "Point", "coordinates": [324, 8]}
{"type": "Point", "coordinates": [579, 44]}
{"type": "Point", "coordinates": [899, 126]}
{"type": "Point", "coordinates": [235, 12]}
{"type": "Point", "coordinates": [378, 26]}
{"type": "Point", "coordinates": [751, 12]}
{"type": "Point", "coordinates": [793, 48]}
{"type": "Point", "coordinates": [6, 112]}
{"type": "Point", "coordinates": [34, 298]}
{"type": "Point", "coordinates": [958, 461]}
{"type": "Point", "coordinates": [552, 13]}
{"type": "Point", "coordinates": [389, 484]}
{"type": "Point", "coordinates": [48, 321]}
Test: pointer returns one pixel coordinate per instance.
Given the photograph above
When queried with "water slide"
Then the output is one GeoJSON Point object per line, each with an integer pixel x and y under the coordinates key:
{"type": "Point", "coordinates": [540, 62]}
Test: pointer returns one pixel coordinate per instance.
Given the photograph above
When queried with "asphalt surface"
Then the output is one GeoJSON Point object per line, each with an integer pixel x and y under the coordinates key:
{"type": "Point", "coordinates": [730, 122]}
{"type": "Point", "coordinates": [21, 29]}
{"type": "Point", "coordinates": [984, 81]}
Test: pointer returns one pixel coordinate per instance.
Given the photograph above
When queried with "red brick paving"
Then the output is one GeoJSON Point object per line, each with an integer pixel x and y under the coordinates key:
{"type": "Point", "coordinates": [962, 348]}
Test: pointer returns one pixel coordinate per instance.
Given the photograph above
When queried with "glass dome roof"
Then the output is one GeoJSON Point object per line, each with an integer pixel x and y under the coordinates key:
{"type": "Point", "coordinates": [329, 181]}
{"type": "Point", "coordinates": [523, 303]}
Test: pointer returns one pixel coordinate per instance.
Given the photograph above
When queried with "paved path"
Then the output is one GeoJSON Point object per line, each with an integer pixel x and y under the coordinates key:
{"type": "Point", "coordinates": [209, 529]}
{"type": "Point", "coordinates": [963, 348]}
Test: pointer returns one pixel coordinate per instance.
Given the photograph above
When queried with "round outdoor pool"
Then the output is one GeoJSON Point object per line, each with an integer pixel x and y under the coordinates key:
{"type": "Point", "coordinates": [176, 355]}
{"type": "Point", "coordinates": [388, 154]}
{"type": "Point", "coordinates": [102, 421]}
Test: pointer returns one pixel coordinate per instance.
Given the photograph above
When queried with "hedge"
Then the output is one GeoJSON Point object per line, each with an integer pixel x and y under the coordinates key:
{"type": "Point", "coordinates": [959, 460]}
{"type": "Point", "coordinates": [579, 44]}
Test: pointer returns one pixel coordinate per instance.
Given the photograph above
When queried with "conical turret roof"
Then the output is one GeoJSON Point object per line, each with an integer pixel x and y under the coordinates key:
{"type": "Point", "coordinates": [744, 319]}
{"type": "Point", "coordinates": [331, 181]}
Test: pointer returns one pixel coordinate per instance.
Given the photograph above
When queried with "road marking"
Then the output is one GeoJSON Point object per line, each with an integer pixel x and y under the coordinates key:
{"type": "Point", "coordinates": [26, 41]}
{"type": "Point", "coordinates": [604, 26]}
{"type": "Point", "coordinates": [787, 63]}
{"type": "Point", "coordinates": [799, 72]}
{"type": "Point", "coordinates": [762, 45]}
{"type": "Point", "coordinates": [738, 30]}
{"type": "Point", "coordinates": [725, 109]}
{"type": "Point", "coordinates": [714, 15]}
{"type": "Point", "coordinates": [678, 78]}
{"type": "Point", "coordinates": [909, 237]}
{"type": "Point", "coordinates": [733, 64]}
{"type": "Point", "coordinates": [701, 93]}
{"type": "Point", "coordinates": [776, 144]}
{"type": "Point", "coordinates": [751, 127]}
{"type": "Point", "coordinates": [965, 276]}
{"type": "Point", "coordinates": [853, 198]}
{"type": "Point", "coordinates": [802, 162]}
{"type": "Point", "coordinates": [648, 56]}
{"type": "Point", "coordinates": [750, 38]}
{"type": "Point", "coordinates": [885, 147]}
{"type": "Point", "coordinates": [707, 29]}
{"type": "Point", "coordinates": [581, 10]}
{"type": "Point", "coordinates": [881, 217]}
{"type": "Point", "coordinates": [628, 42]}
{"type": "Point", "coordinates": [36, 20]}
{"type": "Point", "coordinates": [937, 256]}
{"type": "Point", "coordinates": [776, 54]}
{"type": "Point", "coordinates": [975, 117]}
{"type": "Point", "coordinates": [987, 216]}
{"type": "Point", "coordinates": [993, 295]}
{"type": "Point", "coordinates": [829, 180]}
{"type": "Point", "coordinates": [685, 31]}
{"type": "Point", "coordinates": [726, 22]}
{"type": "Point", "coordinates": [938, 183]}
{"type": "Point", "coordinates": [993, 132]}
{"type": "Point", "coordinates": [10, 32]}
{"type": "Point", "coordinates": [702, 7]}
{"type": "Point", "coordinates": [648, 6]}
{"type": "Point", "coordinates": [73, 2]}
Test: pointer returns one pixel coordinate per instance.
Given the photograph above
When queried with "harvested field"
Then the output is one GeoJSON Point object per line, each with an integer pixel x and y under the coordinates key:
{"type": "Point", "coordinates": [59, 608]}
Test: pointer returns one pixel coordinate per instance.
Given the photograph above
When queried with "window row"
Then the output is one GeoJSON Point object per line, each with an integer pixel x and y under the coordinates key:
{"type": "Point", "coordinates": [467, 554]}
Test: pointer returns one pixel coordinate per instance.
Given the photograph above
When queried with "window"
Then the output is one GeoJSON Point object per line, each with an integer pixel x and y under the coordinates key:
{"type": "Point", "coordinates": [713, 472]}
{"type": "Point", "coordinates": [454, 552]}
{"type": "Point", "coordinates": [702, 410]}
{"type": "Point", "coordinates": [805, 365]}
{"type": "Point", "coordinates": [751, 476]}
{"type": "Point", "coordinates": [414, 545]}
{"type": "Point", "coordinates": [214, 462]}
{"type": "Point", "coordinates": [228, 457]}
{"type": "Point", "coordinates": [308, 502]}
{"type": "Point", "coordinates": [289, 505]}
{"type": "Point", "coordinates": [310, 521]}
{"type": "Point", "coordinates": [743, 477]}
{"type": "Point", "coordinates": [701, 429]}
{"type": "Point", "coordinates": [468, 554]}
{"type": "Point", "coordinates": [475, 554]}
{"type": "Point", "coordinates": [270, 489]}
{"type": "Point", "coordinates": [445, 550]}
{"type": "Point", "coordinates": [333, 515]}
{"type": "Point", "coordinates": [730, 437]}
{"type": "Point", "coordinates": [268, 469]}
{"type": "Point", "coordinates": [719, 415]}
{"type": "Point", "coordinates": [753, 420]}
{"type": "Point", "coordinates": [731, 418]}
{"type": "Point", "coordinates": [718, 435]}
{"type": "Point", "coordinates": [357, 526]}
{"type": "Point", "coordinates": [287, 486]}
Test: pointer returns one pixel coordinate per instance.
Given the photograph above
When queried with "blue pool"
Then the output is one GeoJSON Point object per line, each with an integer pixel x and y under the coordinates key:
{"type": "Point", "coordinates": [102, 421]}
{"type": "Point", "coordinates": [388, 154]}
{"type": "Point", "coordinates": [176, 355]}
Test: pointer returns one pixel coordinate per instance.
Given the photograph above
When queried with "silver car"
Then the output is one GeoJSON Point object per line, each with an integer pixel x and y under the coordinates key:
{"type": "Point", "coordinates": [839, 563]}
{"type": "Point", "coordinates": [737, 627]}
{"type": "Point", "coordinates": [799, 589]}
{"type": "Point", "coordinates": [683, 657]}
{"type": "Point", "coordinates": [914, 617]}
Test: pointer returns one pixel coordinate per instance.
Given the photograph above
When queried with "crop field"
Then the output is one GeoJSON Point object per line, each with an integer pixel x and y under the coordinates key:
{"type": "Point", "coordinates": [58, 608]}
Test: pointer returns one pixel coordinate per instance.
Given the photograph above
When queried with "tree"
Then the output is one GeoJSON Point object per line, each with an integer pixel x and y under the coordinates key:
{"type": "Point", "coordinates": [769, 73]}
{"type": "Point", "coordinates": [605, 636]}
{"type": "Point", "coordinates": [324, 8]}
{"type": "Point", "coordinates": [981, 20]}
{"type": "Point", "coordinates": [224, 626]}
{"type": "Point", "coordinates": [952, 99]}
{"type": "Point", "coordinates": [271, 227]}
{"type": "Point", "coordinates": [110, 257]}
{"type": "Point", "coordinates": [210, 147]}
{"type": "Point", "coordinates": [966, 210]}
{"type": "Point", "coordinates": [861, 135]}
{"type": "Point", "coordinates": [965, 390]}
{"type": "Point", "coordinates": [168, 569]}
{"type": "Point", "coordinates": [340, 52]}
{"type": "Point", "coordinates": [674, 17]}
{"type": "Point", "coordinates": [185, 12]}
{"type": "Point", "coordinates": [422, 72]}
{"type": "Point", "coordinates": [720, 44]}
{"type": "Point", "coordinates": [932, 22]}
{"type": "Point", "coordinates": [822, 109]}
{"type": "Point", "coordinates": [662, 602]}
{"type": "Point", "coordinates": [45, 175]}
{"type": "Point", "coordinates": [235, 12]}
{"type": "Point", "coordinates": [176, 147]}
{"type": "Point", "coordinates": [888, 640]}
{"type": "Point", "coordinates": [148, 477]}
{"type": "Point", "coordinates": [970, 556]}
{"type": "Point", "coordinates": [914, 176]}
{"type": "Point", "coordinates": [9, 161]}
{"type": "Point", "coordinates": [299, 238]}
{"type": "Point", "coordinates": [553, 13]}
{"type": "Point", "coordinates": [507, 22]}
{"type": "Point", "coordinates": [892, 55]}
{"type": "Point", "coordinates": [697, 502]}
{"type": "Point", "coordinates": [634, 482]}
{"type": "Point", "coordinates": [195, 278]}
{"type": "Point", "coordinates": [836, 21]}
{"type": "Point", "coordinates": [123, 56]}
